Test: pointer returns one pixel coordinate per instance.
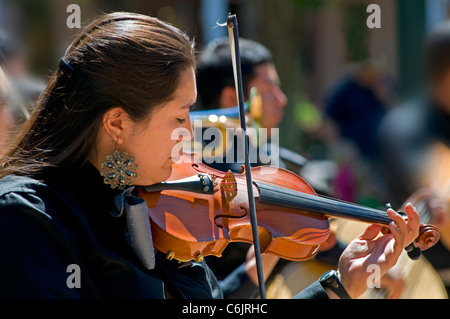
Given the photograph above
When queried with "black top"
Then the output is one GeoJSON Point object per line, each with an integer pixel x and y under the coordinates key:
{"type": "Point", "coordinates": [67, 218]}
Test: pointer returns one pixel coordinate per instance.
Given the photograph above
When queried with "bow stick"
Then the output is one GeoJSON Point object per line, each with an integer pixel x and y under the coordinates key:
{"type": "Point", "coordinates": [234, 45]}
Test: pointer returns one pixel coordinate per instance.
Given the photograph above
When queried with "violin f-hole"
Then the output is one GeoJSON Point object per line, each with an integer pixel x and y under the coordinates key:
{"type": "Point", "coordinates": [228, 215]}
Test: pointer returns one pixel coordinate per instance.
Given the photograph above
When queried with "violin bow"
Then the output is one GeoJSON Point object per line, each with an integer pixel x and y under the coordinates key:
{"type": "Point", "coordinates": [233, 35]}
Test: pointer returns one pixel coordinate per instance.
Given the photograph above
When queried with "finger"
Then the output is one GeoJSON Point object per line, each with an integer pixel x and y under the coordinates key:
{"type": "Point", "coordinates": [399, 222]}
{"type": "Point", "coordinates": [413, 219]}
{"type": "Point", "coordinates": [399, 240]}
{"type": "Point", "coordinates": [411, 211]}
{"type": "Point", "coordinates": [370, 232]}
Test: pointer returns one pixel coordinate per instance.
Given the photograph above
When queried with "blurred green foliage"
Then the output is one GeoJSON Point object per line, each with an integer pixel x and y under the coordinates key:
{"type": "Point", "coordinates": [307, 116]}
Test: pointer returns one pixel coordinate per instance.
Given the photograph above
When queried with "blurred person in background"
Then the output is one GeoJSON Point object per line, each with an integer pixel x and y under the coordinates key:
{"type": "Point", "coordinates": [409, 135]}
{"type": "Point", "coordinates": [356, 106]}
{"type": "Point", "coordinates": [354, 109]}
{"type": "Point", "coordinates": [216, 81]}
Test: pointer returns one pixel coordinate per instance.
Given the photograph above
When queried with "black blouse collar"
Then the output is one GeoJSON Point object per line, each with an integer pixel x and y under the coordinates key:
{"type": "Point", "coordinates": [85, 178]}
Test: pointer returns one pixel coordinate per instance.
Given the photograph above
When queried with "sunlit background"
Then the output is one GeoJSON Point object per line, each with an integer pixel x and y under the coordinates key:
{"type": "Point", "coordinates": [315, 43]}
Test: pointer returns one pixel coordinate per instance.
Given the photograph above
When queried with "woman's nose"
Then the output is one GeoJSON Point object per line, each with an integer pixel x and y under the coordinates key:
{"type": "Point", "coordinates": [184, 133]}
{"type": "Point", "coordinates": [189, 128]}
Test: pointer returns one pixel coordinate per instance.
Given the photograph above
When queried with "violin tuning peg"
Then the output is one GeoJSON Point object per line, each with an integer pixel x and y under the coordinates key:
{"type": "Point", "coordinates": [170, 255]}
{"type": "Point", "coordinates": [199, 258]}
{"type": "Point", "coordinates": [413, 252]}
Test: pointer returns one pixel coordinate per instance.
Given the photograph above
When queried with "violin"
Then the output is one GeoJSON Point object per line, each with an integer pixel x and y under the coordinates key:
{"type": "Point", "coordinates": [199, 210]}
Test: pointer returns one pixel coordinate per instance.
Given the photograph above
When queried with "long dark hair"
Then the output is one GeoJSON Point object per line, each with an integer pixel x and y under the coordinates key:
{"type": "Point", "coordinates": [120, 59]}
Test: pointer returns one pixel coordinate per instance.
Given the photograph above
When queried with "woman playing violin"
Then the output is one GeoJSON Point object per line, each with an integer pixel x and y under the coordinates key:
{"type": "Point", "coordinates": [120, 94]}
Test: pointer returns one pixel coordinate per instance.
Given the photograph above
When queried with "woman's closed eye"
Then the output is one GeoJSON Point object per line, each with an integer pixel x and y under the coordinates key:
{"type": "Point", "coordinates": [182, 120]}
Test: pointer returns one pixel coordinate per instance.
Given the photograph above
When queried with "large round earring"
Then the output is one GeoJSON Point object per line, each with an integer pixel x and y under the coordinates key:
{"type": "Point", "coordinates": [119, 169]}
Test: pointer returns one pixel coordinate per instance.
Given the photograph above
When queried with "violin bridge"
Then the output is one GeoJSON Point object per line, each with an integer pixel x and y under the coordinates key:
{"type": "Point", "coordinates": [228, 186]}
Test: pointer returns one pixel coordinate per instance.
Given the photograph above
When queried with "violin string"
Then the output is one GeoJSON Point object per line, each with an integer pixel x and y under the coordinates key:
{"type": "Point", "coordinates": [424, 217]}
{"type": "Point", "coordinates": [312, 192]}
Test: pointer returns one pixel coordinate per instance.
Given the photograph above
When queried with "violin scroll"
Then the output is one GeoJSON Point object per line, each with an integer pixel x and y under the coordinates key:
{"type": "Point", "coordinates": [428, 236]}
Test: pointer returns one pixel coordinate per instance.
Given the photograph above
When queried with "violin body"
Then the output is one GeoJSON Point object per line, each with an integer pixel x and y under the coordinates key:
{"type": "Point", "coordinates": [187, 225]}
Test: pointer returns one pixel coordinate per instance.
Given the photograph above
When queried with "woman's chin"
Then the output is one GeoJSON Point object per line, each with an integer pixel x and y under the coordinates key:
{"type": "Point", "coordinates": [167, 173]}
{"type": "Point", "coordinates": [163, 175]}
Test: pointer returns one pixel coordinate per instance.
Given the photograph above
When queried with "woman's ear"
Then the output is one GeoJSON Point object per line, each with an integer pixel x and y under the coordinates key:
{"type": "Point", "coordinates": [115, 122]}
